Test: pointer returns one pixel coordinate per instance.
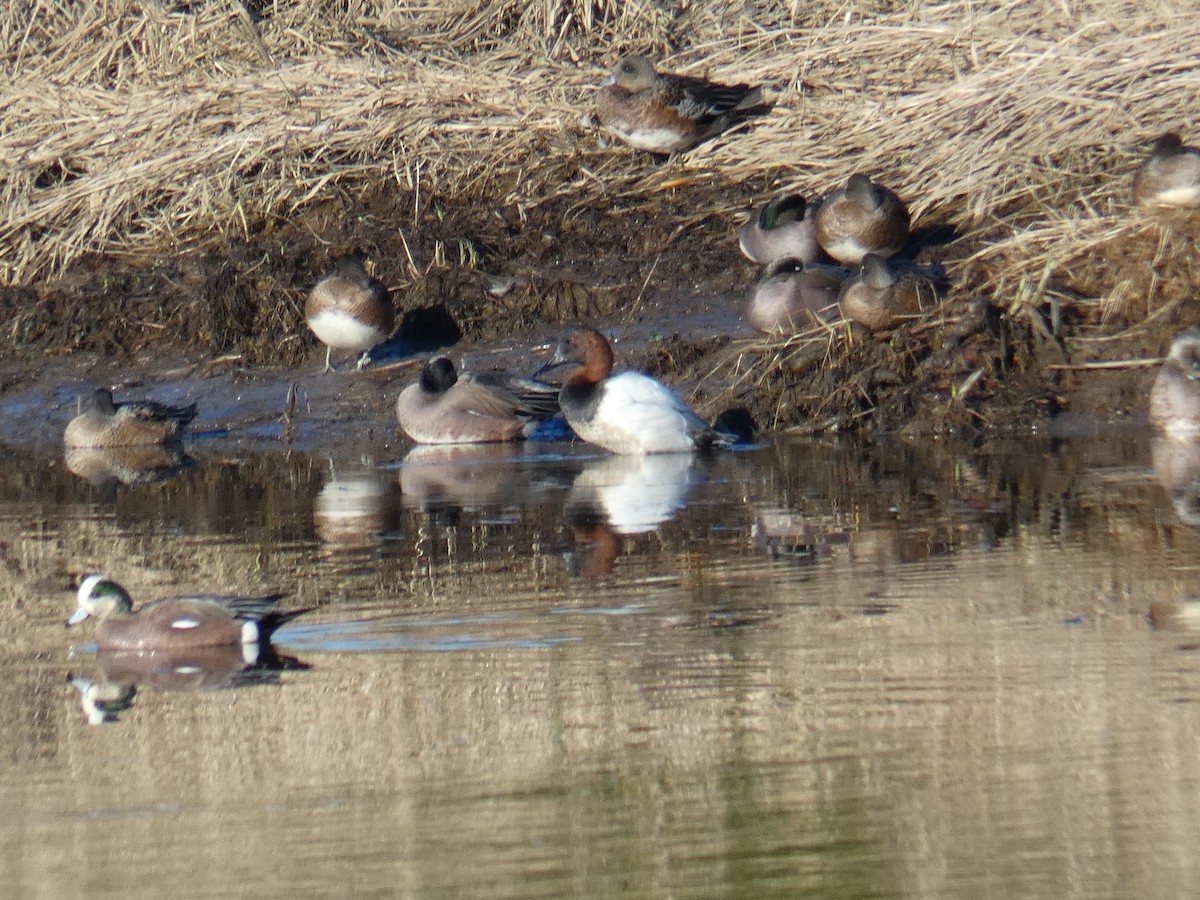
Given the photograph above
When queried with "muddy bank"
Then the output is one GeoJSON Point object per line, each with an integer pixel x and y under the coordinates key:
{"type": "Point", "coordinates": [493, 285]}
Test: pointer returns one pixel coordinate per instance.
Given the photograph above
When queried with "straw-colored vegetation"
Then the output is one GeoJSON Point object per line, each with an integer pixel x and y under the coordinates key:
{"type": "Point", "coordinates": [445, 138]}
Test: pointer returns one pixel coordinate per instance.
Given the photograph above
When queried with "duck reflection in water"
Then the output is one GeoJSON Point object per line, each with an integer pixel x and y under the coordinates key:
{"type": "Point", "coordinates": [111, 689]}
{"type": "Point", "coordinates": [355, 510]}
{"type": "Point", "coordinates": [1177, 467]}
{"type": "Point", "coordinates": [108, 467]}
{"type": "Point", "coordinates": [624, 495]}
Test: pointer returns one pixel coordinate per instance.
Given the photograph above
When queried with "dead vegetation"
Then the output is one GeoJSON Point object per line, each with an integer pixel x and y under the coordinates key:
{"type": "Point", "coordinates": [186, 168]}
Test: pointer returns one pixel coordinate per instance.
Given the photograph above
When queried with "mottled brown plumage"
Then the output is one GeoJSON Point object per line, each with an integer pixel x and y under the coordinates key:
{"type": "Point", "coordinates": [862, 217]}
{"type": "Point", "coordinates": [134, 422]}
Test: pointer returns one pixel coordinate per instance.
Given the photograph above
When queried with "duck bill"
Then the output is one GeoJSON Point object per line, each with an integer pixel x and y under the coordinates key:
{"type": "Point", "coordinates": [554, 363]}
{"type": "Point", "coordinates": [76, 617]}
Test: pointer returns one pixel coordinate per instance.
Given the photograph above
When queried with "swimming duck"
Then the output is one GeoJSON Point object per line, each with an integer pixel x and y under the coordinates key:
{"type": "Point", "coordinates": [175, 623]}
{"type": "Point", "coordinates": [878, 297]}
{"type": "Point", "coordinates": [782, 229]}
{"type": "Point", "coordinates": [1170, 176]}
{"type": "Point", "coordinates": [862, 217]}
{"type": "Point", "coordinates": [625, 413]}
{"type": "Point", "coordinates": [132, 423]}
{"type": "Point", "coordinates": [443, 408]}
{"type": "Point", "coordinates": [783, 297]}
{"type": "Point", "coordinates": [666, 113]}
{"type": "Point", "coordinates": [1175, 396]}
{"type": "Point", "coordinates": [350, 310]}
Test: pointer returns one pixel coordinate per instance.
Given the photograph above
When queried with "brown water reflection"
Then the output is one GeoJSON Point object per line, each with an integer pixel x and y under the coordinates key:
{"type": "Point", "coordinates": [808, 669]}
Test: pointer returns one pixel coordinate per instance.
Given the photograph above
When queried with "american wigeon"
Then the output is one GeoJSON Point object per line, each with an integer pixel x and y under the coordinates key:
{"type": "Point", "coordinates": [1170, 176]}
{"type": "Point", "coordinates": [443, 408]}
{"type": "Point", "coordinates": [350, 310]}
{"type": "Point", "coordinates": [862, 217]}
{"type": "Point", "coordinates": [175, 623]}
{"type": "Point", "coordinates": [132, 423]}
{"type": "Point", "coordinates": [879, 297]}
{"type": "Point", "coordinates": [665, 113]}
{"type": "Point", "coordinates": [789, 295]}
{"type": "Point", "coordinates": [625, 413]}
{"type": "Point", "coordinates": [783, 229]}
{"type": "Point", "coordinates": [1175, 396]}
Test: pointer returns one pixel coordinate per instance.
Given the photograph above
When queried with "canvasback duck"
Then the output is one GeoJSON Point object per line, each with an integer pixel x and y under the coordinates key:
{"type": "Point", "coordinates": [665, 113]}
{"type": "Point", "coordinates": [782, 229]}
{"type": "Point", "coordinates": [625, 413]}
{"type": "Point", "coordinates": [128, 424]}
{"type": "Point", "coordinates": [790, 295]}
{"type": "Point", "coordinates": [175, 623]}
{"type": "Point", "coordinates": [350, 310]}
{"type": "Point", "coordinates": [443, 408]}
{"type": "Point", "coordinates": [1175, 396]}
{"type": "Point", "coordinates": [879, 297]}
{"type": "Point", "coordinates": [862, 217]}
{"type": "Point", "coordinates": [1170, 176]}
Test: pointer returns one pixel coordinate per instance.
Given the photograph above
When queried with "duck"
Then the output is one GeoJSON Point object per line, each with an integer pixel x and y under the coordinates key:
{"type": "Point", "coordinates": [627, 413]}
{"type": "Point", "coordinates": [175, 623]}
{"type": "Point", "coordinates": [1175, 395]}
{"type": "Point", "coordinates": [860, 218]}
{"type": "Point", "coordinates": [350, 310]}
{"type": "Point", "coordinates": [442, 407]}
{"type": "Point", "coordinates": [1170, 176]}
{"type": "Point", "coordinates": [789, 294]}
{"type": "Point", "coordinates": [782, 229]}
{"type": "Point", "coordinates": [878, 297]}
{"type": "Point", "coordinates": [665, 113]}
{"type": "Point", "coordinates": [129, 424]}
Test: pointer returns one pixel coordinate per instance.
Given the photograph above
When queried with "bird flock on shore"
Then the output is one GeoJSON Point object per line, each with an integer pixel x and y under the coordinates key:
{"type": "Point", "coordinates": [823, 259]}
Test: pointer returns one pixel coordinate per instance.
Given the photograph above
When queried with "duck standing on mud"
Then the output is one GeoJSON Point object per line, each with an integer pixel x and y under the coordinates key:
{"type": "Point", "coordinates": [1170, 176]}
{"type": "Point", "coordinates": [628, 412]}
{"type": "Point", "coordinates": [350, 310]}
{"type": "Point", "coordinates": [133, 423]}
{"type": "Point", "coordinates": [665, 113]}
{"type": "Point", "coordinates": [443, 408]}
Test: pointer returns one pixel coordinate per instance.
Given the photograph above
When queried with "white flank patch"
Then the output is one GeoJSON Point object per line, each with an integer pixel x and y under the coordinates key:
{"type": "Point", "coordinates": [343, 332]}
{"type": "Point", "coordinates": [656, 140]}
{"type": "Point", "coordinates": [185, 623]}
{"type": "Point", "coordinates": [1182, 429]}
{"type": "Point", "coordinates": [1180, 196]}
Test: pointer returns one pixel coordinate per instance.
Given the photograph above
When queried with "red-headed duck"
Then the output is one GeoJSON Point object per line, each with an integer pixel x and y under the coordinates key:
{"type": "Point", "coordinates": [444, 408]}
{"type": "Point", "coordinates": [625, 413]}
{"type": "Point", "coordinates": [664, 113]}
{"type": "Point", "coordinates": [862, 217]}
{"type": "Point", "coordinates": [129, 424]}
{"type": "Point", "coordinates": [1170, 176]}
{"type": "Point", "coordinates": [175, 623]}
{"type": "Point", "coordinates": [790, 295]}
{"type": "Point", "coordinates": [782, 229]}
{"type": "Point", "coordinates": [1175, 397]}
{"type": "Point", "coordinates": [350, 310]}
{"type": "Point", "coordinates": [879, 297]}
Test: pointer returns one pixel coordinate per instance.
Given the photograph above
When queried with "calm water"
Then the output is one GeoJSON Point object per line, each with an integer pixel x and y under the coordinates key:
{"type": "Point", "coordinates": [810, 669]}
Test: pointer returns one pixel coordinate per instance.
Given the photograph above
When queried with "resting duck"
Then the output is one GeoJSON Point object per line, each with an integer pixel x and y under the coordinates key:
{"type": "Point", "coordinates": [442, 407]}
{"type": "Point", "coordinates": [129, 424]}
{"type": "Point", "coordinates": [862, 217]}
{"type": "Point", "coordinates": [628, 412]}
{"type": "Point", "coordinates": [665, 113]}
{"type": "Point", "coordinates": [1170, 176]}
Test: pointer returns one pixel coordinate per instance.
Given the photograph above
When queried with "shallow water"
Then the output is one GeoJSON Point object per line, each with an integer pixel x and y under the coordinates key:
{"type": "Point", "coordinates": [808, 669]}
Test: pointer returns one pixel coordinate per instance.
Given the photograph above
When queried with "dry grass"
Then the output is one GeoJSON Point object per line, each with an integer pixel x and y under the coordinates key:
{"type": "Point", "coordinates": [137, 127]}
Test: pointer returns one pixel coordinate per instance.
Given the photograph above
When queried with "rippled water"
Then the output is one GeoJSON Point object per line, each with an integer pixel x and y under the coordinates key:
{"type": "Point", "coordinates": [809, 669]}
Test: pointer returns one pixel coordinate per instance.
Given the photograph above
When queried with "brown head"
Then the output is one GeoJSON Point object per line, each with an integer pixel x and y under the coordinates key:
{"type": "Point", "coordinates": [634, 74]}
{"type": "Point", "coordinates": [587, 347]}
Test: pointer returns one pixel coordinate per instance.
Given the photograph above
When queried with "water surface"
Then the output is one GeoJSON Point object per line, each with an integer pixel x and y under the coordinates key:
{"type": "Point", "coordinates": [808, 669]}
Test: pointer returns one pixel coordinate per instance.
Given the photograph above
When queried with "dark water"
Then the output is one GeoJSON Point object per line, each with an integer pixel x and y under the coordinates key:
{"type": "Point", "coordinates": [810, 669]}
